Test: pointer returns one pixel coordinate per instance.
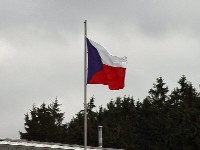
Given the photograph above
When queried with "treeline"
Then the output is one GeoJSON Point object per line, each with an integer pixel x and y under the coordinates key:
{"type": "Point", "coordinates": [161, 121]}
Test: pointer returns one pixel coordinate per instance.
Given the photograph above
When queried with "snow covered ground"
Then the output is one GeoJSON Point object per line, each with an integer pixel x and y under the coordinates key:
{"type": "Point", "coordinates": [5, 143]}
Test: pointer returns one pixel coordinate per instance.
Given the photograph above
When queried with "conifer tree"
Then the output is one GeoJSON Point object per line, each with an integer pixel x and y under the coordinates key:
{"type": "Point", "coordinates": [158, 94]}
{"type": "Point", "coordinates": [75, 128]}
{"type": "Point", "coordinates": [44, 124]}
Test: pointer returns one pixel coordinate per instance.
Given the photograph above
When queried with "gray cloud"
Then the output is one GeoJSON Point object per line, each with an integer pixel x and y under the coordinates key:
{"type": "Point", "coordinates": [41, 50]}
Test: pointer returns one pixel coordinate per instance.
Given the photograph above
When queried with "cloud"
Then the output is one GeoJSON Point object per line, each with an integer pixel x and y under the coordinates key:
{"type": "Point", "coordinates": [41, 50]}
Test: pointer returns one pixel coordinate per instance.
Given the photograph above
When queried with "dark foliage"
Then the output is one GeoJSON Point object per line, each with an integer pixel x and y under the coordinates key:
{"type": "Point", "coordinates": [75, 128]}
{"type": "Point", "coordinates": [161, 121]}
{"type": "Point", "coordinates": [44, 124]}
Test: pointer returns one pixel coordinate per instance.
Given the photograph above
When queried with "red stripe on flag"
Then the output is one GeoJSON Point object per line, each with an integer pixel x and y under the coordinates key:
{"type": "Point", "coordinates": [112, 76]}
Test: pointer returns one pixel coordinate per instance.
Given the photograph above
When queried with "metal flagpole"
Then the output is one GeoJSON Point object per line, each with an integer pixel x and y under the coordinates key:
{"type": "Point", "coordinates": [85, 85]}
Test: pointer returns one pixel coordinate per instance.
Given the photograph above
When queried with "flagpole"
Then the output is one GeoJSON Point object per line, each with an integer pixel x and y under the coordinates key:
{"type": "Point", "coordinates": [85, 85]}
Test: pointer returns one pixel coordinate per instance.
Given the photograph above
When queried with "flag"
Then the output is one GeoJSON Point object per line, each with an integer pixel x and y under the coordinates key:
{"type": "Point", "coordinates": [103, 68]}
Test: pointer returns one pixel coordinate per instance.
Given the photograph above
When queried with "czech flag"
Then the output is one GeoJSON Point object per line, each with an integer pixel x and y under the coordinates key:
{"type": "Point", "coordinates": [103, 68]}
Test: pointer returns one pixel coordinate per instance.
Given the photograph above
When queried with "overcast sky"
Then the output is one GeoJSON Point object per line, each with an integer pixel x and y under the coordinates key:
{"type": "Point", "coordinates": [42, 51]}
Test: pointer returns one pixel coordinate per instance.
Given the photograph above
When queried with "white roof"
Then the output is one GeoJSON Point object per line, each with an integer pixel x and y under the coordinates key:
{"type": "Point", "coordinates": [34, 144]}
{"type": "Point", "coordinates": [47, 145]}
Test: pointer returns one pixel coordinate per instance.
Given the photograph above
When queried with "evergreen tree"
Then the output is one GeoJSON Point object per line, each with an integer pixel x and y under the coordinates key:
{"type": "Point", "coordinates": [118, 121]}
{"type": "Point", "coordinates": [158, 94]}
{"type": "Point", "coordinates": [75, 128]}
{"type": "Point", "coordinates": [155, 118]}
{"type": "Point", "coordinates": [44, 124]}
{"type": "Point", "coordinates": [160, 121]}
{"type": "Point", "coordinates": [184, 122]}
